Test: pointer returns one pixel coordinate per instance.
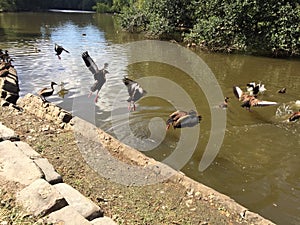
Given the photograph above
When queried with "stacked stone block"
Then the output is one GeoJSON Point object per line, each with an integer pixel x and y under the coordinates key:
{"type": "Point", "coordinates": [9, 84]}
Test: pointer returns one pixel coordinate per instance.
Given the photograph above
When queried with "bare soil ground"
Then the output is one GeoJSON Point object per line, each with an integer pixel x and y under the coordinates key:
{"type": "Point", "coordinates": [166, 203]}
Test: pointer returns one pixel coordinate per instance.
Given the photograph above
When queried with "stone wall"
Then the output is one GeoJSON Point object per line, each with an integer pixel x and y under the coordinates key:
{"type": "Point", "coordinates": [9, 84]}
{"type": "Point", "coordinates": [46, 110]}
{"type": "Point", "coordinates": [41, 191]}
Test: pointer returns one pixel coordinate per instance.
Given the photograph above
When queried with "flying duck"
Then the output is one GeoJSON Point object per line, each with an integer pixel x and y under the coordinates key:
{"type": "Point", "coordinates": [46, 92]}
{"type": "Point", "coordinates": [249, 100]}
{"type": "Point", "coordinates": [295, 116]}
{"type": "Point", "coordinates": [135, 92]}
{"type": "Point", "coordinates": [99, 75]}
{"type": "Point", "coordinates": [59, 49]}
{"type": "Point", "coordinates": [255, 89]}
{"type": "Point", "coordinates": [181, 119]}
{"type": "Point", "coordinates": [224, 105]}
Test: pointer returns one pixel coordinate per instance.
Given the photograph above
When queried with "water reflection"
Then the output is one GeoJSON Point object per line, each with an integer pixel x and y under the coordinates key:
{"type": "Point", "coordinates": [258, 164]}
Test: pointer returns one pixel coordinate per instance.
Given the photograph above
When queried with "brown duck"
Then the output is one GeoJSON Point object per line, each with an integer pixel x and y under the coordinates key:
{"type": "Point", "coordinates": [295, 116]}
{"type": "Point", "coordinates": [46, 92]}
{"type": "Point", "coordinates": [249, 101]}
{"type": "Point", "coordinates": [181, 119]}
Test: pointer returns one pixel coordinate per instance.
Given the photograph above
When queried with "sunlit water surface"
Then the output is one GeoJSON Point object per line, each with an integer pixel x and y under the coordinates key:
{"type": "Point", "coordinates": [258, 164]}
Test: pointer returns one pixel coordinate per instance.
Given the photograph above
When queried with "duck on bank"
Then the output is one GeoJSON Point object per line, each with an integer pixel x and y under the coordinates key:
{"type": "Point", "coordinates": [46, 92]}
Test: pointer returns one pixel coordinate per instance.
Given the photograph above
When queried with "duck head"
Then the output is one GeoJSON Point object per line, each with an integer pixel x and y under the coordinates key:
{"type": "Point", "coordinates": [53, 83]}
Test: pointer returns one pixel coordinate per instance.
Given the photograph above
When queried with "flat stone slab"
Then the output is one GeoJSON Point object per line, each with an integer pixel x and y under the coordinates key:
{"type": "Point", "coordinates": [7, 134]}
{"type": "Point", "coordinates": [79, 202]}
{"type": "Point", "coordinates": [16, 166]}
{"type": "Point", "coordinates": [67, 216]}
{"type": "Point", "coordinates": [50, 174]}
{"type": "Point", "coordinates": [27, 150]}
{"type": "Point", "coordinates": [103, 221]}
{"type": "Point", "coordinates": [40, 198]}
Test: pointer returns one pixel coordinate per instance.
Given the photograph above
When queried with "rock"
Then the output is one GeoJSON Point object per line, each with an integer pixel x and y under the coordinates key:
{"type": "Point", "coordinates": [7, 134]}
{"type": "Point", "coordinates": [12, 97]}
{"type": "Point", "coordinates": [50, 174]}
{"type": "Point", "coordinates": [67, 216]}
{"type": "Point", "coordinates": [65, 116]}
{"type": "Point", "coordinates": [103, 221]}
{"type": "Point", "coordinates": [16, 166]}
{"type": "Point", "coordinates": [27, 150]}
{"type": "Point", "coordinates": [40, 198]}
{"type": "Point", "coordinates": [4, 73]}
{"type": "Point", "coordinates": [80, 203]}
{"type": "Point", "coordinates": [10, 86]}
{"type": "Point", "coordinates": [47, 110]}
{"type": "Point", "coordinates": [4, 103]}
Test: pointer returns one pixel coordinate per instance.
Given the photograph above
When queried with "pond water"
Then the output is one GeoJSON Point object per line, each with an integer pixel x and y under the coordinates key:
{"type": "Point", "coordinates": [258, 161]}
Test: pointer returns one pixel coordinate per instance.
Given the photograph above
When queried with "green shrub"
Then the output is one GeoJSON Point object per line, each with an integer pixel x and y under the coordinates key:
{"type": "Point", "coordinates": [102, 8]}
{"type": "Point", "coordinates": [255, 26]}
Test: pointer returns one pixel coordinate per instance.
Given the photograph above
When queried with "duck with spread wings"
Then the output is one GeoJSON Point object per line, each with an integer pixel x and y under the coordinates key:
{"type": "Point", "coordinates": [99, 75]}
{"type": "Point", "coordinates": [135, 92]}
{"type": "Point", "coordinates": [249, 101]}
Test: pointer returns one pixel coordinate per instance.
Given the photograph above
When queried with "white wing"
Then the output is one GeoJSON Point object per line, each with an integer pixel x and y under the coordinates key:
{"type": "Point", "coordinates": [89, 62]}
{"type": "Point", "coordinates": [237, 91]}
{"type": "Point", "coordinates": [266, 103]}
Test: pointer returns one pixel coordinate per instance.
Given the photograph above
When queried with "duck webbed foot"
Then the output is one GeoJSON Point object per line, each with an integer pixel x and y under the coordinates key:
{"type": "Point", "coordinates": [96, 99]}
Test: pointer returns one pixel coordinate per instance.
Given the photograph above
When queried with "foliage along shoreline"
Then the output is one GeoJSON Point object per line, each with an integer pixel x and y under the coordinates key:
{"type": "Point", "coordinates": [268, 28]}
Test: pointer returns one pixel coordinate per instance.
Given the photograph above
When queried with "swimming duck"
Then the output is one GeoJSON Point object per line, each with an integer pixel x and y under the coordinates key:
{"type": "Point", "coordinates": [295, 116]}
{"type": "Point", "coordinates": [282, 90]}
{"type": "Point", "coordinates": [224, 105]}
{"type": "Point", "coordinates": [36, 50]}
{"type": "Point", "coordinates": [59, 49]}
{"type": "Point", "coordinates": [135, 92]}
{"type": "Point", "coordinates": [255, 89]}
{"type": "Point", "coordinates": [181, 119]}
{"type": "Point", "coordinates": [249, 100]}
{"type": "Point", "coordinates": [46, 92]}
{"type": "Point", "coordinates": [99, 75]}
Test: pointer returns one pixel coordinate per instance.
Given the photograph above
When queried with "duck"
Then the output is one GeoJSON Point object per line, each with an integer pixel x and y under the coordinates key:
{"type": "Point", "coordinates": [135, 92]}
{"type": "Point", "coordinates": [255, 89]}
{"type": "Point", "coordinates": [46, 92]}
{"type": "Point", "coordinates": [99, 75]}
{"type": "Point", "coordinates": [59, 49]}
{"type": "Point", "coordinates": [4, 56]}
{"type": "Point", "coordinates": [181, 119]}
{"type": "Point", "coordinates": [250, 100]}
{"type": "Point", "coordinates": [282, 90]}
{"type": "Point", "coordinates": [224, 105]}
{"type": "Point", "coordinates": [295, 116]}
{"type": "Point", "coordinates": [36, 50]}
